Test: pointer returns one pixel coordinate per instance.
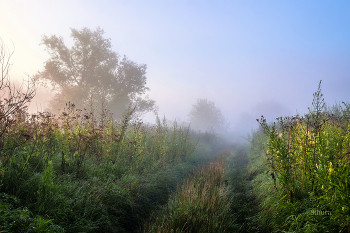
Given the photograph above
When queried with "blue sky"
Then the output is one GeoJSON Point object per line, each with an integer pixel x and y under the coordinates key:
{"type": "Point", "coordinates": [249, 57]}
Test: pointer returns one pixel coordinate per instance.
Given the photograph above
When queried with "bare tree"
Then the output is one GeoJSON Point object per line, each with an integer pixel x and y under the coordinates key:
{"type": "Point", "coordinates": [13, 99]}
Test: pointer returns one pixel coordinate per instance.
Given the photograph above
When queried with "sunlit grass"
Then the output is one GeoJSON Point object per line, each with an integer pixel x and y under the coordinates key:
{"type": "Point", "coordinates": [305, 171]}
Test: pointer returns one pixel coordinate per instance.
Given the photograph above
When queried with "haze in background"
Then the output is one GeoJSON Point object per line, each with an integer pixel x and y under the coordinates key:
{"type": "Point", "coordinates": [251, 58]}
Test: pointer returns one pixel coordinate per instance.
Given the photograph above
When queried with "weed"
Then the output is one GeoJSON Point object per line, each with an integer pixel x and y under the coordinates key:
{"type": "Point", "coordinates": [307, 158]}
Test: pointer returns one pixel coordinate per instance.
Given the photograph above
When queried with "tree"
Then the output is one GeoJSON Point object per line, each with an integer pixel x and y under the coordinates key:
{"type": "Point", "coordinates": [204, 115]}
{"type": "Point", "coordinates": [91, 68]}
{"type": "Point", "coordinates": [13, 99]}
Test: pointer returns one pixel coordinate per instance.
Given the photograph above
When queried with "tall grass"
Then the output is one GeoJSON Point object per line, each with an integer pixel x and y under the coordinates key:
{"type": "Point", "coordinates": [73, 173]}
{"type": "Point", "coordinates": [308, 171]}
{"type": "Point", "coordinates": [201, 204]}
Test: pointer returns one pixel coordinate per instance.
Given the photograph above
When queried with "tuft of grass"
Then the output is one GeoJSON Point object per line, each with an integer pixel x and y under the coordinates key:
{"type": "Point", "coordinates": [201, 204]}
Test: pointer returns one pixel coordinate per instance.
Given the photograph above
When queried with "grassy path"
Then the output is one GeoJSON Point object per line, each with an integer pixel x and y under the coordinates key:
{"type": "Point", "coordinates": [244, 206]}
{"type": "Point", "coordinates": [217, 198]}
{"type": "Point", "coordinates": [202, 204]}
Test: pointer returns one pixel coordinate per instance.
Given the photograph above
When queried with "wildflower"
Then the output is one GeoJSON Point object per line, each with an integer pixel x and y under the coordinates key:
{"type": "Point", "coordinates": [81, 187]}
{"type": "Point", "coordinates": [75, 199]}
{"type": "Point", "coordinates": [30, 230]}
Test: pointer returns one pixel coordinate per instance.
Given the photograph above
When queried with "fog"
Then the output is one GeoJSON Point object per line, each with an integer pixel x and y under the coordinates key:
{"type": "Point", "coordinates": [250, 58]}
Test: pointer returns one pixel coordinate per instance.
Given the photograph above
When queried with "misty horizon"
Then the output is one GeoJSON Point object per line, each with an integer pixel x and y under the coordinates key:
{"type": "Point", "coordinates": [249, 59]}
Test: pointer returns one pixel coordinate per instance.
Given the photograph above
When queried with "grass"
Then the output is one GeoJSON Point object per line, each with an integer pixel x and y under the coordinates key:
{"type": "Point", "coordinates": [301, 170]}
{"type": "Point", "coordinates": [201, 204]}
{"type": "Point", "coordinates": [72, 174]}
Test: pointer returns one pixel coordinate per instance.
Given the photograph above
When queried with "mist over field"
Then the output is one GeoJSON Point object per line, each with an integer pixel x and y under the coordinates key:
{"type": "Point", "coordinates": [174, 116]}
{"type": "Point", "coordinates": [249, 58]}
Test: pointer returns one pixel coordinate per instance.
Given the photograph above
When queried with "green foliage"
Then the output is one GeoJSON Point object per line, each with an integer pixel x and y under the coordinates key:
{"type": "Point", "coordinates": [91, 68]}
{"type": "Point", "coordinates": [201, 204]}
{"type": "Point", "coordinates": [16, 219]}
{"type": "Point", "coordinates": [307, 161]}
{"type": "Point", "coordinates": [73, 173]}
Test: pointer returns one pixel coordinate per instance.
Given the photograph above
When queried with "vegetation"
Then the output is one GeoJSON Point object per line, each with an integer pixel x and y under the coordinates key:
{"type": "Point", "coordinates": [84, 172]}
{"type": "Point", "coordinates": [79, 172]}
{"type": "Point", "coordinates": [205, 116]}
{"type": "Point", "coordinates": [12, 99]}
{"type": "Point", "coordinates": [202, 204]}
{"type": "Point", "coordinates": [91, 69]}
{"type": "Point", "coordinates": [84, 177]}
{"type": "Point", "coordinates": [302, 181]}
{"type": "Point", "coordinates": [70, 175]}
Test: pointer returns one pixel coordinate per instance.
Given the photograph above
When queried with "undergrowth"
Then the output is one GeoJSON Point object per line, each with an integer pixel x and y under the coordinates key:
{"type": "Point", "coordinates": [72, 173]}
{"type": "Point", "coordinates": [301, 171]}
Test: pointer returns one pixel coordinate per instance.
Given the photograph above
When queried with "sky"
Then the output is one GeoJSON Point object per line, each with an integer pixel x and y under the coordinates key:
{"type": "Point", "coordinates": [250, 58]}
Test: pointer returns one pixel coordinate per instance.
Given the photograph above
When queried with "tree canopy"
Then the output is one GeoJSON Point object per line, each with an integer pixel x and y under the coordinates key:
{"type": "Point", "coordinates": [204, 115]}
{"type": "Point", "coordinates": [91, 68]}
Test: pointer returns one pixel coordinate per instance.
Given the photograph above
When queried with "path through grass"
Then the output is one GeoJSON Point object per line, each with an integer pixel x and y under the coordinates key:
{"type": "Point", "coordinates": [205, 201]}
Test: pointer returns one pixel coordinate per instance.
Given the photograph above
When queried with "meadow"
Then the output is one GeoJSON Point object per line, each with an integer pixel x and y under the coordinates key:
{"type": "Point", "coordinates": [79, 172]}
{"type": "Point", "coordinates": [85, 172]}
{"type": "Point", "coordinates": [300, 170]}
